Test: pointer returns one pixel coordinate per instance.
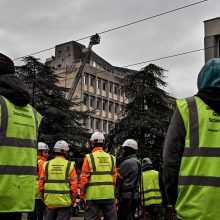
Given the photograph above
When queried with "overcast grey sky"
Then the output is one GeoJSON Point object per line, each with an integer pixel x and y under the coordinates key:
{"type": "Point", "coordinates": [28, 26]}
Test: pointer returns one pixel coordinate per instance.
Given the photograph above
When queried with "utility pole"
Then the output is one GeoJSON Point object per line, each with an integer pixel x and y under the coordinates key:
{"type": "Point", "coordinates": [94, 39]}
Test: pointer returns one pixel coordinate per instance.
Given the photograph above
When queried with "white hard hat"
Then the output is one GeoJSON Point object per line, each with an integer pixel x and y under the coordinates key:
{"type": "Point", "coordinates": [146, 161]}
{"type": "Point", "coordinates": [130, 143]}
{"type": "Point", "coordinates": [61, 147]}
{"type": "Point", "coordinates": [42, 146]}
{"type": "Point", "coordinates": [97, 137]}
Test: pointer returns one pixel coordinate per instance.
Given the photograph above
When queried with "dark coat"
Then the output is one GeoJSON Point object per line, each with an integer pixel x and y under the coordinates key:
{"type": "Point", "coordinates": [13, 88]}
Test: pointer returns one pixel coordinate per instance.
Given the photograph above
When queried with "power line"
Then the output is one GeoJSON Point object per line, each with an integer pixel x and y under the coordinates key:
{"type": "Point", "coordinates": [170, 56]}
{"type": "Point", "coordinates": [154, 16]}
{"type": "Point", "coordinates": [122, 26]}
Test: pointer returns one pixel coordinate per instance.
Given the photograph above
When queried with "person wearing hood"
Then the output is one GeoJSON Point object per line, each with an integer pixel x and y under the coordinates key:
{"type": "Point", "coordinates": [152, 193]}
{"type": "Point", "coordinates": [191, 156]}
{"type": "Point", "coordinates": [127, 185]}
{"type": "Point", "coordinates": [18, 152]}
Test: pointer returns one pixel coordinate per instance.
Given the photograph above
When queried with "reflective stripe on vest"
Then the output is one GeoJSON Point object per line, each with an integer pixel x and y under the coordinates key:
{"type": "Point", "coordinates": [199, 176]}
{"type": "Point", "coordinates": [18, 138]}
{"type": "Point", "coordinates": [150, 189]}
{"type": "Point", "coordinates": [101, 182]}
{"type": "Point", "coordinates": [195, 151]}
{"type": "Point", "coordinates": [14, 141]}
{"type": "Point", "coordinates": [56, 188]}
{"type": "Point", "coordinates": [17, 170]}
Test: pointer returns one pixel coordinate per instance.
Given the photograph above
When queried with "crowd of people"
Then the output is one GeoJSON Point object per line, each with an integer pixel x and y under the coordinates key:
{"type": "Point", "coordinates": [189, 185]}
{"type": "Point", "coordinates": [105, 190]}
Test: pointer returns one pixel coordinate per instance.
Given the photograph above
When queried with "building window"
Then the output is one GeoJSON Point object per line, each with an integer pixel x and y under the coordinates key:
{"type": "Point", "coordinates": [92, 101]}
{"type": "Point", "coordinates": [98, 83]}
{"type": "Point", "coordinates": [85, 99]}
{"type": "Point", "coordinates": [110, 87]}
{"type": "Point", "coordinates": [105, 126]}
{"type": "Point", "coordinates": [115, 89]}
{"type": "Point", "coordinates": [92, 81]}
{"type": "Point", "coordinates": [92, 123]}
{"type": "Point", "coordinates": [86, 79]}
{"type": "Point", "coordinates": [99, 104]}
{"type": "Point", "coordinates": [116, 108]}
{"type": "Point", "coordinates": [104, 85]}
{"type": "Point", "coordinates": [98, 124]}
{"type": "Point", "coordinates": [111, 105]}
{"type": "Point", "coordinates": [104, 105]}
{"type": "Point", "coordinates": [68, 48]}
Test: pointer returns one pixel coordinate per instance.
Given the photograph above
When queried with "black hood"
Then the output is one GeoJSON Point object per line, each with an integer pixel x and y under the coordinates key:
{"type": "Point", "coordinates": [6, 65]}
{"type": "Point", "coordinates": [13, 88]}
{"type": "Point", "coordinates": [211, 96]}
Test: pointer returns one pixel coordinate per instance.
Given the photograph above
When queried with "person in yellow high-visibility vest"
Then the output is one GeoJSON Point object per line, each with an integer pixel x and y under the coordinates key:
{"type": "Point", "coordinates": [191, 156]}
{"type": "Point", "coordinates": [97, 181]}
{"type": "Point", "coordinates": [152, 193]}
{"type": "Point", "coordinates": [58, 184]}
{"type": "Point", "coordinates": [19, 124]}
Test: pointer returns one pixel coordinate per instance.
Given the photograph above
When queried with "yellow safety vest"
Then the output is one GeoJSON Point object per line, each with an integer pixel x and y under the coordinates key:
{"type": "Point", "coordinates": [57, 188]}
{"type": "Point", "coordinates": [150, 189]}
{"type": "Point", "coordinates": [199, 175]}
{"type": "Point", "coordinates": [101, 182]}
{"type": "Point", "coordinates": [18, 156]}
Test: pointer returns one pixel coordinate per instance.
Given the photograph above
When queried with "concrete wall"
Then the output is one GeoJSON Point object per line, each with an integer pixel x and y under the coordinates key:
{"type": "Point", "coordinates": [212, 38]}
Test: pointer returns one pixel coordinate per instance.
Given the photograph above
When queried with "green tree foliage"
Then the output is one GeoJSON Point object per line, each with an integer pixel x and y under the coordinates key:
{"type": "Point", "coordinates": [60, 119]}
{"type": "Point", "coordinates": [147, 116]}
